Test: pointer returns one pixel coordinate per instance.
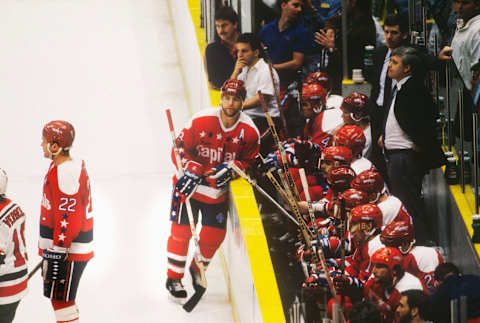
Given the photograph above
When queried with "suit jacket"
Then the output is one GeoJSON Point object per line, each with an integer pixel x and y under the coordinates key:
{"type": "Point", "coordinates": [373, 76]}
{"type": "Point", "coordinates": [415, 112]}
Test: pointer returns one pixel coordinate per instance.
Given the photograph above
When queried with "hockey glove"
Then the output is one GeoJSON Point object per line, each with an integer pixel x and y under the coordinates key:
{"type": "Point", "coordinates": [187, 184]}
{"type": "Point", "coordinates": [54, 265]}
{"type": "Point", "coordinates": [307, 153]}
{"type": "Point", "coordinates": [2, 257]}
{"type": "Point", "coordinates": [342, 282]}
{"type": "Point", "coordinates": [271, 163]}
{"type": "Point", "coordinates": [223, 174]}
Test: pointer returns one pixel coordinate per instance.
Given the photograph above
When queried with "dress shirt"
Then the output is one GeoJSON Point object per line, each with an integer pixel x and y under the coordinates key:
{"type": "Point", "coordinates": [257, 78]}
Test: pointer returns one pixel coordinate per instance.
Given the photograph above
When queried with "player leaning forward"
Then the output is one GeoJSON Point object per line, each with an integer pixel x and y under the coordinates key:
{"type": "Point", "coordinates": [210, 141]}
{"type": "Point", "coordinates": [66, 227]}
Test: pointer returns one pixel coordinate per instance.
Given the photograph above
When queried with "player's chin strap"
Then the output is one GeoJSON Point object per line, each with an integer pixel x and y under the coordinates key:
{"type": "Point", "coordinates": [52, 153]}
{"type": "Point", "coordinates": [352, 115]}
{"type": "Point", "coordinates": [404, 252]}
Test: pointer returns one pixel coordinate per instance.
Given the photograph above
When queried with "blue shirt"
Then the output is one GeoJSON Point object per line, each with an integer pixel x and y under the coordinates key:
{"type": "Point", "coordinates": [281, 45]}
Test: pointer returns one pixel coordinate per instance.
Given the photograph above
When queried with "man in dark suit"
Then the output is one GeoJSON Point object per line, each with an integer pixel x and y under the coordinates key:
{"type": "Point", "coordinates": [396, 34]}
{"type": "Point", "coordinates": [408, 134]}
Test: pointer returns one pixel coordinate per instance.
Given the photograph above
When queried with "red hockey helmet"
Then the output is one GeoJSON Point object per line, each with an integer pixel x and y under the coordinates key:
{"type": "Point", "coordinates": [354, 197]}
{"type": "Point", "coordinates": [369, 181]}
{"type": "Point", "coordinates": [352, 137]}
{"type": "Point", "coordinates": [356, 105]}
{"type": "Point", "coordinates": [389, 257]}
{"type": "Point", "coordinates": [367, 213]}
{"type": "Point", "coordinates": [316, 95]}
{"type": "Point", "coordinates": [339, 178]}
{"type": "Point", "coordinates": [397, 233]}
{"type": "Point", "coordinates": [60, 132]}
{"type": "Point", "coordinates": [234, 87]}
{"type": "Point", "coordinates": [339, 154]}
{"type": "Point", "coordinates": [318, 77]}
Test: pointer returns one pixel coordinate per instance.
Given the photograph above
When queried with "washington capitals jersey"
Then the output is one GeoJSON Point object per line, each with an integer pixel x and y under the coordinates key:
{"type": "Point", "coordinates": [394, 210]}
{"type": "Point", "coordinates": [321, 128]}
{"type": "Point", "coordinates": [421, 262]}
{"type": "Point", "coordinates": [65, 218]}
{"type": "Point", "coordinates": [13, 273]}
{"type": "Point", "coordinates": [206, 141]}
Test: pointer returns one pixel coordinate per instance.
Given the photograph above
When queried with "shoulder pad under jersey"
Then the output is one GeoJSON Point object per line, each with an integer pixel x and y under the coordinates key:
{"type": "Point", "coordinates": [69, 176]}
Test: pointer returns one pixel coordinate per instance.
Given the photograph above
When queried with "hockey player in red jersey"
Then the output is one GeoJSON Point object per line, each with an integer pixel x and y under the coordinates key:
{"type": "Point", "coordinates": [355, 112]}
{"type": "Point", "coordinates": [389, 279]}
{"type": "Point", "coordinates": [13, 254]}
{"type": "Point", "coordinates": [353, 137]}
{"type": "Point", "coordinates": [210, 141]}
{"type": "Point", "coordinates": [392, 208]}
{"type": "Point", "coordinates": [66, 224]}
{"type": "Point", "coordinates": [419, 261]}
{"type": "Point", "coordinates": [321, 124]}
{"type": "Point", "coordinates": [333, 101]}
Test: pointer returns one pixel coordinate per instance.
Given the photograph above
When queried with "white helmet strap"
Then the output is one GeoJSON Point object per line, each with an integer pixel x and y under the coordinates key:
{"type": "Point", "coordinates": [51, 153]}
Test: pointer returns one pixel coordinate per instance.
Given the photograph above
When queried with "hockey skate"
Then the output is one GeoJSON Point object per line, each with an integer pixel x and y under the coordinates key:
{"type": "Point", "coordinates": [196, 279]}
{"type": "Point", "coordinates": [177, 291]}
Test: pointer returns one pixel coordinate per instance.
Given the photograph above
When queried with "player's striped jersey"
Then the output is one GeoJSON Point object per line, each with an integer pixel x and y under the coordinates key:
{"type": "Point", "coordinates": [65, 219]}
{"type": "Point", "coordinates": [321, 128]}
{"type": "Point", "coordinates": [13, 273]}
{"type": "Point", "coordinates": [394, 210]}
{"type": "Point", "coordinates": [206, 141]}
{"type": "Point", "coordinates": [421, 262]}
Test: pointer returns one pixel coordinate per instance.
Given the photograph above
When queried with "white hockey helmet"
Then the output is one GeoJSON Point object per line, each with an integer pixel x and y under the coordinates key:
{"type": "Point", "coordinates": [3, 182]}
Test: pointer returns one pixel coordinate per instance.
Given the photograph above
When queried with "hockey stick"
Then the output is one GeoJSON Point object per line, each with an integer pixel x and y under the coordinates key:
{"type": "Point", "coordinates": [321, 254]}
{"type": "Point", "coordinates": [200, 290]}
{"type": "Point", "coordinates": [303, 178]}
{"type": "Point", "coordinates": [306, 233]}
{"type": "Point", "coordinates": [242, 174]}
{"type": "Point", "coordinates": [275, 91]}
{"type": "Point", "coordinates": [37, 267]}
{"type": "Point", "coordinates": [281, 150]}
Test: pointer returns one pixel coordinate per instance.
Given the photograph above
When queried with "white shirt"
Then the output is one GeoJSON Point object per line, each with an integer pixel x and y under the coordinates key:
{"type": "Point", "coordinates": [368, 143]}
{"type": "Point", "coordinates": [466, 48]}
{"type": "Point", "coordinates": [257, 78]}
{"type": "Point", "coordinates": [395, 137]}
{"type": "Point", "coordinates": [383, 78]}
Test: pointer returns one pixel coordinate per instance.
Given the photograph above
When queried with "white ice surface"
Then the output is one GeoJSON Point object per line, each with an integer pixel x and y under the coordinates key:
{"type": "Point", "coordinates": [109, 67]}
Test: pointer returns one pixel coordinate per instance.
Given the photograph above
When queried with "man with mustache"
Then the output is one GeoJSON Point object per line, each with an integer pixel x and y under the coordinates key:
{"type": "Point", "coordinates": [220, 55]}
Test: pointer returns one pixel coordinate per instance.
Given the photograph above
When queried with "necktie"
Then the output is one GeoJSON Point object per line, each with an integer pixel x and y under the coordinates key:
{"type": "Point", "coordinates": [387, 107]}
{"type": "Point", "coordinates": [387, 89]}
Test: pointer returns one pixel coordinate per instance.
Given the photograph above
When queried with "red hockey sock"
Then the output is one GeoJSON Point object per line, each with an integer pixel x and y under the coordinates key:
{"type": "Point", "coordinates": [177, 249]}
{"type": "Point", "coordinates": [210, 239]}
{"type": "Point", "coordinates": [65, 312]}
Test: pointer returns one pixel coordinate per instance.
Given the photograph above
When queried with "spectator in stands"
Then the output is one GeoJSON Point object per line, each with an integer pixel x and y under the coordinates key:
{"type": "Point", "coordinates": [413, 306]}
{"type": "Point", "coordinates": [365, 312]}
{"type": "Point", "coordinates": [257, 76]}
{"type": "Point", "coordinates": [220, 55]}
{"type": "Point", "coordinates": [396, 35]}
{"type": "Point", "coordinates": [465, 51]}
{"type": "Point", "coordinates": [287, 41]}
{"type": "Point", "coordinates": [452, 285]}
{"type": "Point", "coordinates": [408, 135]}
{"type": "Point", "coordinates": [360, 32]}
